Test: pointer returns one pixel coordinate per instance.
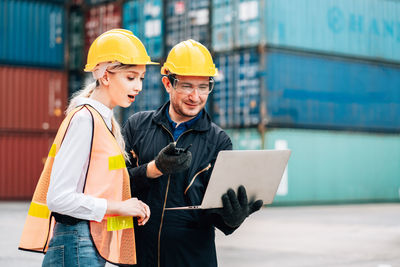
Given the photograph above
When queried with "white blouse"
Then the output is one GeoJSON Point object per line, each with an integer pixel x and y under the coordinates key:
{"type": "Point", "coordinates": [70, 166]}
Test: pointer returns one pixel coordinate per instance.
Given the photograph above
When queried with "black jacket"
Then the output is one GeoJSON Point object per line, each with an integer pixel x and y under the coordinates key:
{"type": "Point", "coordinates": [179, 237]}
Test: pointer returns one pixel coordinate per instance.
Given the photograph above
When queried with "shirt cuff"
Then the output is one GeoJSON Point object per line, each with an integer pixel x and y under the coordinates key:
{"type": "Point", "coordinates": [100, 208]}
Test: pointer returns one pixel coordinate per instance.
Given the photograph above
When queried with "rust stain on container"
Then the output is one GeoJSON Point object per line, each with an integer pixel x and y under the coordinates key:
{"type": "Point", "coordinates": [21, 163]}
{"type": "Point", "coordinates": [31, 99]}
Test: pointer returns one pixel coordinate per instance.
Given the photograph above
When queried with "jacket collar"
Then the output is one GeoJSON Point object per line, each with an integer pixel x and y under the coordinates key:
{"type": "Point", "coordinates": [202, 124]}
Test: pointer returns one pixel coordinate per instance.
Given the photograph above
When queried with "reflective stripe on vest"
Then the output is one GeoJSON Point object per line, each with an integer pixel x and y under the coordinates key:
{"type": "Point", "coordinates": [107, 178]}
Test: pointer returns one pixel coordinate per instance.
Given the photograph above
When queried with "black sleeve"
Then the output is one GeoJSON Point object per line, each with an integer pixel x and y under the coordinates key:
{"type": "Point", "coordinates": [137, 173]}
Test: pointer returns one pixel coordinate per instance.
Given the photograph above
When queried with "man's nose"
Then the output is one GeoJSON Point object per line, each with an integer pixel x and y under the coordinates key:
{"type": "Point", "coordinates": [195, 93]}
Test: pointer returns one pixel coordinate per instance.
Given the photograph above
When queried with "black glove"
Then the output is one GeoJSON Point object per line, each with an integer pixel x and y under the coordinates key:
{"type": "Point", "coordinates": [172, 159]}
{"type": "Point", "coordinates": [236, 209]}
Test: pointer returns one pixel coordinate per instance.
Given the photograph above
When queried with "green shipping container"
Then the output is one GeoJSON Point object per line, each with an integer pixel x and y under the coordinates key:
{"type": "Point", "coordinates": [331, 167]}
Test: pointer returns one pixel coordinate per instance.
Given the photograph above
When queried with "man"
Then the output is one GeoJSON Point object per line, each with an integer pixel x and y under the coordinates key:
{"type": "Point", "coordinates": [173, 151]}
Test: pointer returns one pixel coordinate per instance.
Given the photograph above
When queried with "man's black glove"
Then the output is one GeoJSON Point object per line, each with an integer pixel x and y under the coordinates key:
{"type": "Point", "coordinates": [172, 159]}
{"type": "Point", "coordinates": [236, 208]}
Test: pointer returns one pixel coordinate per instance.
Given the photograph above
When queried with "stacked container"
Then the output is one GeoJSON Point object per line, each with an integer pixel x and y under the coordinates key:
{"type": "Point", "coordinates": [237, 94]}
{"type": "Point", "coordinates": [236, 23]}
{"type": "Point", "coordinates": [151, 96]}
{"type": "Point", "coordinates": [99, 19]}
{"type": "Point", "coordinates": [186, 19]}
{"type": "Point", "coordinates": [328, 80]}
{"type": "Point", "coordinates": [145, 20]}
{"type": "Point", "coordinates": [33, 90]}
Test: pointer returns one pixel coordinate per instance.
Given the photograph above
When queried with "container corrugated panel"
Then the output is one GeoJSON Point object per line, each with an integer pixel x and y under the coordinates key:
{"type": "Point", "coordinates": [152, 95]}
{"type": "Point", "coordinates": [31, 99]}
{"type": "Point", "coordinates": [338, 167]}
{"type": "Point", "coordinates": [249, 23]}
{"type": "Point", "coordinates": [76, 41]}
{"type": "Point", "coordinates": [187, 20]}
{"type": "Point", "coordinates": [32, 33]}
{"type": "Point", "coordinates": [75, 82]}
{"type": "Point", "coordinates": [145, 20]}
{"type": "Point", "coordinates": [223, 94]}
{"type": "Point", "coordinates": [312, 91]}
{"type": "Point", "coordinates": [236, 99]}
{"type": "Point", "coordinates": [362, 28]}
{"type": "Point", "coordinates": [222, 25]}
{"type": "Point", "coordinates": [100, 19]}
{"type": "Point", "coordinates": [22, 157]}
{"type": "Point", "coordinates": [247, 89]}
{"type": "Point", "coordinates": [236, 23]}
{"type": "Point", "coordinates": [245, 139]}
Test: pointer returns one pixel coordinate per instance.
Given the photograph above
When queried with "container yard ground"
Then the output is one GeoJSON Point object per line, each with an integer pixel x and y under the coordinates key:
{"type": "Point", "coordinates": [347, 235]}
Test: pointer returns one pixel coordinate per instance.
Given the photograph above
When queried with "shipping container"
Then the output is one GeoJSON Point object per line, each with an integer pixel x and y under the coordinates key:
{"type": "Point", "coordinates": [330, 166]}
{"type": "Point", "coordinates": [31, 99]}
{"type": "Point", "coordinates": [186, 19]}
{"type": "Point", "coordinates": [152, 95]}
{"type": "Point", "coordinates": [361, 28]}
{"type": "Point", "coordinates": [96, 2]}
{"type": "Point", "coordinates": [22, 157]}
{"type": "Point", "coordinates": [75, 82]}
{"type": "Point", "coordinates": [236, 97]}
{"type": "Point", "coordinates": [145, 20]}
{"type": "Point", "coordinates": [245, 139]}
{"type": "Point", "coordinates": [305, 90]}
{"type": "Point", "coordinates": [76, 41]}
{"type": "Point", "coordinates": [99, 19]}
{"type": "Point", "coordinates": [236, 23]}
{"type": "Point", "coordinates": [32, 33]}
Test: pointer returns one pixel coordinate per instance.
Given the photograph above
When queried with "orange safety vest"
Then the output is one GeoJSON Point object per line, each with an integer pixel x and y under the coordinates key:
{"type": "Point", "coordinates": [107, 178]}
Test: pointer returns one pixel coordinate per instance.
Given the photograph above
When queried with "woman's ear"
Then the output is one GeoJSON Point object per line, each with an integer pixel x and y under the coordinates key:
{"type": "Point", "coordinates": [105, 80]}
{"type": "Point", "coordinates": [167, 84]}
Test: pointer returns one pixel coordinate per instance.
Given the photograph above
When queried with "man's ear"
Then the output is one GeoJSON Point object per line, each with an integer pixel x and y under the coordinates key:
{"type": "Point", "coordinates": [167, 84]}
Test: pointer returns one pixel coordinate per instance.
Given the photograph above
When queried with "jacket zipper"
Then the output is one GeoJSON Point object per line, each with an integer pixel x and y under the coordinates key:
{"type": "Point", "coordinates": [165, 200]}
{"type": "Point", "coordinates": [194, 177]}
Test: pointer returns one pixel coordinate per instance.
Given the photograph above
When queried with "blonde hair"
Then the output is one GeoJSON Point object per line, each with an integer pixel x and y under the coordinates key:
{"type": "Point", "coordinates": [87, 91]}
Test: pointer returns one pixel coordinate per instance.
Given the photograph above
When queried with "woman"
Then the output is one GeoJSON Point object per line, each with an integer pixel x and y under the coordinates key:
{"type": "Point", "coordinates": [85, 176]}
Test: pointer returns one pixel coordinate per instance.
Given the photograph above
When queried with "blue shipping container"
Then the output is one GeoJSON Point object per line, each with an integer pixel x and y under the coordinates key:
{"type": "Point", "coordinates": [313, 91]}
{"type": "Point", "coordinates": [151, 96]}
{"type": "Point", "coordinates": [236, 99]}
{"type": "Point", "coordinates": [186, 19]}
{"type": "Point", "coordinates": [361, 28]}
{"type": "Point", "coordinates": [144, 19]}
{"type": "Point", "coordinates": [32, 33]}
{"type": "Point", "coordinates": [236, 23]}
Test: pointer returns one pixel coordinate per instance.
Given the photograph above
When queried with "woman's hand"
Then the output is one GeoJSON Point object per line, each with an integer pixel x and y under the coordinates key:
{"type": "Point", "coordinates": [130, 207]}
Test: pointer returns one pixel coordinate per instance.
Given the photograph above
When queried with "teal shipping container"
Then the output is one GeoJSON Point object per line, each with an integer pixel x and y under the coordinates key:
{"type": "Point", "coordinates": [236, 23]}
{"type": "Point", "coordinates": [360, 28]}
{"type": "Point", "coordinates": [32, 33]}
{"type": "Point", "coordinates": [144, 19]}
{"type": "Point", "coordinates": [76, 41]}
{"type": "Point", "coordinates": [331, 166]}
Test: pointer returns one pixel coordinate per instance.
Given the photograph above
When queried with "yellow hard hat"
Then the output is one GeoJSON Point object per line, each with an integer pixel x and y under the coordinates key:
{"type": "Point", "coordinates": [117, 45]}
{"type": "Point", "coordinates": [189, 58]}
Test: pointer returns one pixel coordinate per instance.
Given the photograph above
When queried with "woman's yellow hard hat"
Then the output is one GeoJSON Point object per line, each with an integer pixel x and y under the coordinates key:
{"type": "Point", "coordinates": [189, 58]}
{"type": "Point", "coordinates": [117, 45]}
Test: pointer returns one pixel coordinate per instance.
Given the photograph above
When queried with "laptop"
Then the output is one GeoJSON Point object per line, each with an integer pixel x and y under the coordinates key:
{"type": "Point", "coordinates": [259, 171]}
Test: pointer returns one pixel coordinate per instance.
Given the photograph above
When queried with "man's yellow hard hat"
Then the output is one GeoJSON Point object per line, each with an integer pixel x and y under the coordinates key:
{"type": "Point", "coordinates": [189, 58]}
{"type": "Point", "coordinates": [117, 45]}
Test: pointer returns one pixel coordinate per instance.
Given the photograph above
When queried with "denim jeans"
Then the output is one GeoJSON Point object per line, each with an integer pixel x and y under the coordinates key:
{"type": "Point", "coordinates": [71, 245]}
